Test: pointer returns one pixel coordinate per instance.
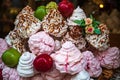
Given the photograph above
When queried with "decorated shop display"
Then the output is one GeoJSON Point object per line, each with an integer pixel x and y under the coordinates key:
{"type": "Point", "coordinates": [57, 42]}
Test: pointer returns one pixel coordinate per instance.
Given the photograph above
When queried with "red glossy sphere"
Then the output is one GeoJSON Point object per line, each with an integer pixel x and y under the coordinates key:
{"type": "Point", "coordinates": [66, 8]}
{"type": "Point", "coordinates": [43, 63]}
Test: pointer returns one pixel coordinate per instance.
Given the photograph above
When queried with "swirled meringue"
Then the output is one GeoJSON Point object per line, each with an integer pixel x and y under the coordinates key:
{"type": "Point", "coordinates": [93, 65]}
{"type": "Point", "coordinates": [69, 59]}
{"type": "Point", "coordinates": [109, 58]}
{"type": "Point", "coordinates": [10, 74]}
{"type": "Point", "coordinates": [25, 66]}
{"type": "Point", "coordinates": [78, 14]}
{"type": "Point", "coordinates": [41, 42]}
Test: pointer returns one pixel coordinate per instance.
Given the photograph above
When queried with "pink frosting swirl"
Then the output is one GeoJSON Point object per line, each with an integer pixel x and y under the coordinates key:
{"type": "Point", "coordinates": [110, 58]}
{"type": "Point", "coordinates": [10, 74]}
{"type": "Point", "coordinates": [3, 46]}
{"type": "Point", "coordinates": [93, 65]}
{"type": "Point", "coordinates": [41, 42]}
{"type": "Point", "coordinates": [69, 59]}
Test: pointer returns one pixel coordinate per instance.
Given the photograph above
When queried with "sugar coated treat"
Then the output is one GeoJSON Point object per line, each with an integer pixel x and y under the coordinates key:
{"type": "Point", "coordinates": [109, 58]}
{"type": "Point", "coordinates": [69, 59]}
{"type": "Point", "coordinates": [41, 42]}
{"type": "Point", "coordinates": [93, 65]}
{"type": "Point", "coordinates": [25, 66]}
{"type": "Point", "coordinates": [15, 41]}
{"type": "Point", "coordinates": [78, 14]}
{"type": "Point", "coordinates": [75, 35]}
{"type": "Point", "coordinates": [53, 74]}
{"type": "Point", "coordinates": [54, 24]}
{"type": "Point", "coordinates": [100, 41]}
{"type": "Point", "coordinates": [26, 24]}
{"type": "Point", "coordinates": [10, 74]}
{"type": "Point", "coordinates": [83, 75]}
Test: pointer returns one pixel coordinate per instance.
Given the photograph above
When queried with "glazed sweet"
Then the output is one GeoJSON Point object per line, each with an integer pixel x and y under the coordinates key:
{"type": "Point", "coordinates": [43, 63]}
{"type": "Point", "coordinates": [54, 24]}
{"type": "Point", "coordinates": [66, 8]}
{"type": "Point", "coordinates": [40, 12]}
{"type": "Point", "coordinates": [109, 58]}
{"type": "Point", "coordinates": [93, 65]}
{"type": "Point", "coordinates": [40, 43]}
{"type": "Point", "coordinates": [68, 59]}
{"type": "Point", "coordinates": [25, 66]}
{"type": "Point", "coordinates": [11, 57]}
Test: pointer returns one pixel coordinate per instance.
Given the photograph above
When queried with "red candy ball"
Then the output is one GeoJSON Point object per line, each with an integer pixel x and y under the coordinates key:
{"type": "Point", "coordinates": [43, 63]}
{"type": "Point", "coordinates": [66, 8]}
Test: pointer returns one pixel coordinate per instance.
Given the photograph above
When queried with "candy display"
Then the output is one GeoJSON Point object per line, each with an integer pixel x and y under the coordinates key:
{"type": "Point", "coordinates": [57, 42]}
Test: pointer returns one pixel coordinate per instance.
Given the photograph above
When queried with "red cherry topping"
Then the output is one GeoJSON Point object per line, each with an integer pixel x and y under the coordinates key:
{"type": "Point", "coordinates": [43, 63]}
{"type": "Point", "coordinates": [66, 8]}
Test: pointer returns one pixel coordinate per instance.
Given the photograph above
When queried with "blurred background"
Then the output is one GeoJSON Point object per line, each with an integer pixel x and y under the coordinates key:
{"type": "Point", "coordinates": [106, 11]}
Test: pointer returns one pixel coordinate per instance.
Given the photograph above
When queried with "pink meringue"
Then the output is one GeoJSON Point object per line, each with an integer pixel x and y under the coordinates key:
{"type": "Point", "coordinates": [69, 59]}
{"type": "Point", "coordinates": [53, 74]}
{"type": "Point", "coordinates": [41, 42]}
{"type": "Point", "coordinates": [93, 65]}
{"type": "Point", "coordinates": [10, 74]}
{"type": "Point", "coordinates": [3, 47]}
{"type": "Point", "coordinates": [110, 58]}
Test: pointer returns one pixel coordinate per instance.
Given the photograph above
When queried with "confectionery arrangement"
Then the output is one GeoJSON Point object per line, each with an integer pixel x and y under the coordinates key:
{"type": "Point", "coordinates": [57, 42]}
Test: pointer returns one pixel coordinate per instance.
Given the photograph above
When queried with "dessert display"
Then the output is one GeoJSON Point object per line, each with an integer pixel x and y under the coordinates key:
{"type": "Point", "coordinates": [55, 42]}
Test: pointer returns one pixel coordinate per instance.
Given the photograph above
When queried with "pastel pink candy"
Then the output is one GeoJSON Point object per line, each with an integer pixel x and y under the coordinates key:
{"type": "Point", "coordinates": [10, 74]}
{"type": "Point", "coordinates": [53, 74]}
{"type": "Point", "coordinates": [41, 42]}
{"type": "Point", "coordinates": [110, 58]}
{"type": "Point", "coordinates": [93, 65]}
{"type": "Point", "coordinates": [3, 47]}
{"type": "Point", "coordinates": [69, 59]}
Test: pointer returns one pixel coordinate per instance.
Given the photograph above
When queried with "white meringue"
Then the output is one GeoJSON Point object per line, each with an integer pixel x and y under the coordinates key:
{"type": "Point", "coordinates": [25, 66]}
{"type": "Point", "coordinates": [83, 75]}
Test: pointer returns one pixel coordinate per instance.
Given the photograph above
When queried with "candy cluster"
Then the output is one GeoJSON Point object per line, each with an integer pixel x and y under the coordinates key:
{"type": "Point", "coordinates": [54, 43]}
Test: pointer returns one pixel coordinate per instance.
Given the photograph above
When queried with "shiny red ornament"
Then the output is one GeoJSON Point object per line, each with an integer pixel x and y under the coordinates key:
{"type": "Point", "coordinates": [43, 63]}
{"type": "Point", "coordinates": [66, 8]}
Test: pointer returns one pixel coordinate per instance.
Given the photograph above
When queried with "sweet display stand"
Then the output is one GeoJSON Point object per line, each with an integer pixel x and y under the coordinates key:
{"type": "Point", "coordinates": [58, 42]}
